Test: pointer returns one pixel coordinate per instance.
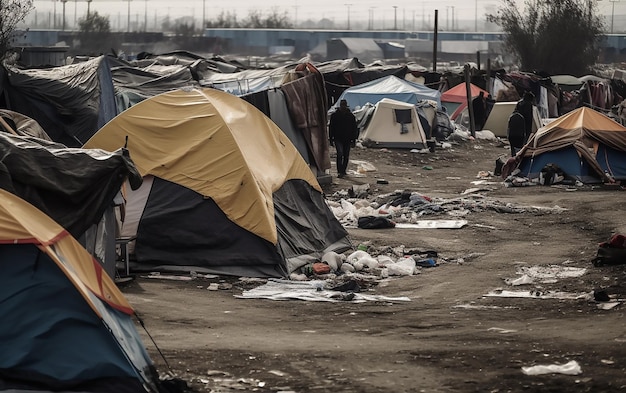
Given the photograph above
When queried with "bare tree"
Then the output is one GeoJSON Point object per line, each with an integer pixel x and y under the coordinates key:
{"type": "Point", "coordinates": [12, 12]}
{"type": "Point", "coordinates": [95, 34]}
{"type": "Point", "coordinates": [224, 20]}
{"type": "Point", "coordinates": [255, 20]}
{"type": "Point", "coordinates": [554, 36]}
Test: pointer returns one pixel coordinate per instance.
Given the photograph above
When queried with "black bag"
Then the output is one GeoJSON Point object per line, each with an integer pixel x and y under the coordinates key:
{"type": "Point", "coordinates": [375, 222]}
{"type": "Point", "coordinates": [608, 256]}
{"type": "Point", "coordinates": [500, 161]}
{"type": "Point", "coordinates": [611, 252]}
{"type": "Point", "coordinates": [551, 174]}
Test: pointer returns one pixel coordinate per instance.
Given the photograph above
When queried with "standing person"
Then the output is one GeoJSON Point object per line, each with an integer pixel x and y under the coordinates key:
{"type": "Point", "coordinates": [525, 107]}
{"type": "Point", "coordinates": [479, 106]}
{"type": "Point", "coordinates": [342, 132]}
{"type": "Point", "coordinates": [516, 132]}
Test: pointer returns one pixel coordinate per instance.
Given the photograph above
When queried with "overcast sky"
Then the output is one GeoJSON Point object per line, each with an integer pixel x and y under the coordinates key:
{"type": "Point", "coordinates": [383, 13]}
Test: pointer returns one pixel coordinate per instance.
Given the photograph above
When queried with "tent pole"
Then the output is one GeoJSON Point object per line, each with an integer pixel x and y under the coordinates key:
{"type": "Point", "coordinates": [6, 126]}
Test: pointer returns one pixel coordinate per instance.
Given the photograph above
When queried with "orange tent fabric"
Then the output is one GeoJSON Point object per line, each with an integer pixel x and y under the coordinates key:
{"type": "Point", "coordinates": [21, 222]}
{"type": "Point", "coordinates": [459, 94]}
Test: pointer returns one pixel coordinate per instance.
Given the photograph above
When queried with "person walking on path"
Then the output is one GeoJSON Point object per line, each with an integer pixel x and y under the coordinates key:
{"type": "Point", "coordinates": [342, 132]}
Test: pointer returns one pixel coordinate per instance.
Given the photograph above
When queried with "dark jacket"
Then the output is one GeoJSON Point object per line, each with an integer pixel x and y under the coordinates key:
{"type": "Point", "coordinates": [525, 107]}
{"type": "Point", "coordinates": [343, 126]}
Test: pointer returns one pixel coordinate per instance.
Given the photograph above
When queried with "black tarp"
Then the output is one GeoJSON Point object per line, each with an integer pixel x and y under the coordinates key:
{"type": "Point", "coordinates": [69, 102]}
{"type": "Point", "coordinates": [72, 186]}
{"type": "Point", "coordinates": [180, 230]}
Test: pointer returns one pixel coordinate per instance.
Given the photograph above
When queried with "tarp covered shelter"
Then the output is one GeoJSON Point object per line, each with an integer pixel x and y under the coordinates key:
{"type": "Point", "coordinates": [225, 191]}
{"type": "Point", "coordinates": [75, 187]}
{"type": "Point", "coordinates": [393, 124]}
{"type": "Point", "coordinates": [388, 87]}
{"type": "Point", "coordinates": [69, 102]}
{"type": "Point", "coordinates": [133, 84]}
{"type": "Point", "coordinates": [364, 49]}
{"type": "Point", "coordinates": [584, 143]}
{"type": "Point", "coordinates": [66, 326]}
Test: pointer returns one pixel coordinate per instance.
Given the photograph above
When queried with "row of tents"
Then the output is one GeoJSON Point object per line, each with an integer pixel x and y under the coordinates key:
{"type": "Point", "coordinates": [98, 152]}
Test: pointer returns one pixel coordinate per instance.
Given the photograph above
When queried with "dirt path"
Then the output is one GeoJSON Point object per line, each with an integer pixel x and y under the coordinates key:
{"type": "Point", "coordinates": [449, 337]}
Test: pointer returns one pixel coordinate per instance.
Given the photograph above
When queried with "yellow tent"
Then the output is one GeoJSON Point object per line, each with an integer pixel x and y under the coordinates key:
{"type": "Point", "coordinates": [227, 151]}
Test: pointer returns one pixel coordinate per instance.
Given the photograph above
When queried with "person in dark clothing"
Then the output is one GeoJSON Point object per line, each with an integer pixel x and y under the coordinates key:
{"type": "Point", "coordinates": [479, 107]}
{"type": "Point", "coordinates": [525, 107]}
{"type": "Point", "coordinates": [342, 132]}
{"type": "Point", "coordinates": [516, 132]}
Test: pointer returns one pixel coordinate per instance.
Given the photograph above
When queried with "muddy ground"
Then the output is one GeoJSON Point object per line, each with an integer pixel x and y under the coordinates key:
{"type": "Point", "coordinates": [449, 337]}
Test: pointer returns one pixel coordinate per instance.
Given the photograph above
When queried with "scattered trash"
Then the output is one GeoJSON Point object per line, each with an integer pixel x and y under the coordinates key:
{"type": "Point", "coordinates": [569, 368]}
{"type": "Point", "coordinates": [433, 224]}
{"type": "Point", "coordinates": [501, 330]}
{"type": "Point", "coordinates": [428, 262]}
{"type": "Point", "coordinates": [363, 166]}
{"type": "Point", "coordinates": [608, 305]}
{"type": "Point", "coordinates": [601, 296]}
{"type": "Point", "coordinates": [381, 181]}
{"type": "Point", "coordinates": [276, 289]}
{"type": "Point", "coordinates": [403, 267]}
{"type": "Point", "coordinates": [427, 167]}
{"type": "Point", "coordinates": [523, 280]}
{"type": "Point", "coordinates": [544, 274]}
{"type": "Point", "coordinates": [158, 275]}
{"type": "Point", "coordinates": [537, 294]}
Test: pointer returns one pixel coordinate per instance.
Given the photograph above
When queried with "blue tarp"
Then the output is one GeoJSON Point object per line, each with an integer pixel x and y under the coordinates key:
{"type": "Point", "coordinates": [54, 339]}
{"type": "Point", "coordinates": [389, 87]}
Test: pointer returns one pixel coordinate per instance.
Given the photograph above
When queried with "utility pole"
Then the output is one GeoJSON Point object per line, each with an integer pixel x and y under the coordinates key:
{"type": "Point", "coordinates": [612, 13]}
{"type": "Point", "coordinates": [435, 35]}
{"type": "Point", "coordinates": [395, 17]}
{"type": "Point", "coordinates": [476, 16]}
{"type": "Point", "coordinates": [295, 13]}
{"type": "Point", "coordinates": [88, 7]}
{"type": "Point", "coordinates": [128, 23]}
{"type": "Point", "coordinates": [452, 18]}
{"type": "Point", "coordinates": [348, 5]}
{"type": "Point", "coordinates": [63, 1]}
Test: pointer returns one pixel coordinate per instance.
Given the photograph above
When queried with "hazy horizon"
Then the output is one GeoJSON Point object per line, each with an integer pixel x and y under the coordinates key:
{"type": "Point", "coordinates": [366, 14]}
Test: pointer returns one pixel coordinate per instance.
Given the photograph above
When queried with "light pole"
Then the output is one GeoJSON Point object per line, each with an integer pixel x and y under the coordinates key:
{"type": "Point", "coordinates": [63, 1]}
{"type": "Point", "coordinates": [476, 16]}
{"type": "Point", "coordinates": [612, 13]}
{"type": "Point", "coordinates": [88, 7]}
{"type": "Point", "coordinates": [295, 14]}
{"type": "Point", "coordinates": [128, 23]}
{"type": "Point", "coordinates": [395, 17]}
{"type": "Point", "coordinates": [348, 6]}
{"type": "Point", "coordinates": [203, 13]}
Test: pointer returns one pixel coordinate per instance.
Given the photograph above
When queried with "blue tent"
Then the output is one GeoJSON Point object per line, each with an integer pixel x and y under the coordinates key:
{"type": "Point", "coordinates": [389, 87]}
{"type": "Point", "coordinates": [587, 145]}
{"type": "Point", "coordinates": [66, 326]}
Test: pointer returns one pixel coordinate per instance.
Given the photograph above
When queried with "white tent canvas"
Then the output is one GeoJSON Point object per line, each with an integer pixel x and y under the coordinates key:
{"type": "Point", "coordinates": [393, 124]}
